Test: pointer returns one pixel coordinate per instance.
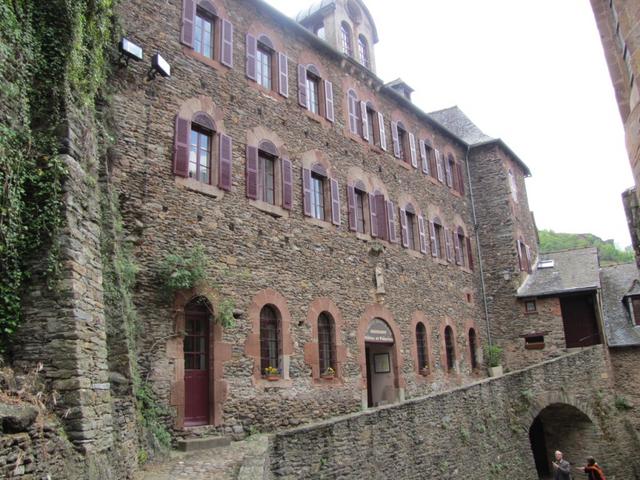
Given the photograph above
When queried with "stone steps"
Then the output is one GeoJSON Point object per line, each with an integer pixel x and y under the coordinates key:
{"type": "Point", "coordinates": [202, 443]}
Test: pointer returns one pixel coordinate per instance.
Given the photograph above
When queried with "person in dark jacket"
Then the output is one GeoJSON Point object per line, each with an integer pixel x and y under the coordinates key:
{"type": "Point", "coordinates": [561, 468]}
{"type": "Point", "coordinates": [593, 470]}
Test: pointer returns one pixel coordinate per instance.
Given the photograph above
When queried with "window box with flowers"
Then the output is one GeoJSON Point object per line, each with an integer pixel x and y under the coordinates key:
{"type": "Point", "coordinates": [328, 374]}
{"type": "Point", "coordinates": [272, 374]}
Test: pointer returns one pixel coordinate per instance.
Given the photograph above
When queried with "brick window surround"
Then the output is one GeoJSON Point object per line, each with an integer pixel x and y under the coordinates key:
{"type": "Point", "coordinates": [378, 311]}
{"type": "Point", "coordinates": [420, 317]}
{"type": "Point", "coordinates": [219, 354]}
{"type": "Point", "coordinates": [311, 349]}
{"type": "Point", "coordinates": [252, 344]}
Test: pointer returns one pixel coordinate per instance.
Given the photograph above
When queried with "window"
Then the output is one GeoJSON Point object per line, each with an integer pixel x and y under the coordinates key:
{"type": "Point", "coordinates": [360, 210]}
{"type": "Point", "coordinates": [411, 220]}
{"type": "Point", "coordinates": [263, 66]}
{"type": "Point", "coordinates": [439, 160]}
{"type": "Point", "coordinates": [194, 151]}
{"type": "Point", "coordinates": [421, 348]}
{"type": "Point", "coordinates": [534, 341]}
{"type": "Point", "coordinates": [412, 229]}
{"type": "Point", "coordinates": [321, 198]}
{"type": "Point", "coordinates": [203, 39]}
{"type": "Point", "coordinates": [354, 112]}
{"type": "Point", "coordinates": [524, 256]}
{"type": "Point", "coordinates": [313, 92]}
{"type": "Point", "coordinates": [450, 171]}
{"type": "Point", "coordinates": [530, 306]}
{"type": "Point", "coordinates": [513, 187]}
{"type": "Point", "coordinates": [208, 35]}
{"type": "Point", "coordinates": [326, 343]}
{"type": "Point", "coordinates": [359, 207]}
{"type": "Point", "coordinates": [449, 348]}
{"type": "Point", "coordinates": [371, 119]}
{"type": "Point", "coordinates": [426, 156]}
{"type": "Point", "coordinates": [363, 50]}
{"type": "Point", "coordinates": [436, 232]}
{"type": "Point", "coordinates": [473, 349]}
{"type": "Point", "coordinates": [317, 196]}
{"type": "Point", "coordinates": [347, 42]}
{"type": "Point", "coordinates": [402, 139]}
{"type": "Point", "coordinates": [269, 176]}
{"type": "Point", "coordinates": [460, 246]}
{"type": "Point", "coordinates": [404, 144]}
{"type": "Point", "coordinates": [634, 308]}
{"type": "Point", "coordinates": [269, 338]}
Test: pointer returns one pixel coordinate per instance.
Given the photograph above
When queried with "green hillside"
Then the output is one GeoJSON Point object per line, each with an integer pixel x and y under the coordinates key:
{"type": "Point", "coordinates": [551, 241]}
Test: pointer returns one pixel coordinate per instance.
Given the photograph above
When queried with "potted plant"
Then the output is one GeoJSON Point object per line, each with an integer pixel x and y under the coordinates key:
{"type": "Point", "coordinates": [329, 373]}
{"type": "Point", "coordinates": [271, 373]}
{"type": "Point", "coordinates": [493, 360]}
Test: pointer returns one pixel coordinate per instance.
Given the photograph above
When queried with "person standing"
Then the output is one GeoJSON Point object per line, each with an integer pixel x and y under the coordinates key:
{"type": "Point", "coordinates": [593, 470]}
{"type": "Point", "coordinates": [561, 468]}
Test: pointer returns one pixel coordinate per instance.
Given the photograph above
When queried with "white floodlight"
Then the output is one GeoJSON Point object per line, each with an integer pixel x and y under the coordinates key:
{"type": "Point", "coordinates": [129, 50]}
{"type": "Point", "coordinates": [160, 65]}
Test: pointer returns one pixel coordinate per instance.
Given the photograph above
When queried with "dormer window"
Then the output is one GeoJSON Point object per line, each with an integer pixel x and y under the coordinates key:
{"type": "Point", "coordinates": [363, 50]}
{"type": "Point", "coordinates": [633, 304]}
{"type": "Point", "coordinates": [347, 41]}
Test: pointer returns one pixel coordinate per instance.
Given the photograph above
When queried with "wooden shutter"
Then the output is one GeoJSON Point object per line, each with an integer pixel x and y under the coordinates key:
{"type": "Point", "coordinates": [328, 98]}
{"type": "Point", "coordinates": [381, 212]}
{"type": "Point", "coordinates": [460, 178]}
{"type": "Point", "coordinates": [414, 155]}
{"type": "Point", "coordinates": [457, 247]}
{"type": "Point", "coordinates": [421, 233]}
{"type": "Point", "coordinates": [520, 259]}
{"type": "Point", "coordinates": [373, 215]}
{"type": "Point", "coordinates": [351, 202]}
{"type": "Point", "coordinates": [335, 202]}
{"type": "Point", "coordinates": [252, 172]}
{"type": "Point", "coordinates": [227, 43]}
{"type": "Point", "coordinates": [226, 156]}
{"type": "Point", "coordinates": [404, 231]}
{"type": "Point", "coordinates": [432, 237]}
{"type": "Point", "coordinates": [188, 22]}
{"type": "Point", "coordinates": [306, 191]}
{"type": "Point", "coordinates": [181, 147]}
{"type": "Point", "coordinates": [469, 253]}
{"type": "Point", "coordinates": [391, 222]}
{"type": "Point", "coordinates": [424, 158]}
{"type": "Point", "coordinates": [252, 48]}
{"type": "Point", "coordinates": [447, 243]}
{"type": "Point", "coordinates": [396, 141]}
{"type": "Point", "coordinates": [383, 134]}
{"type": "Point", "coordinates": [302, 86]}
{"type": "Point", "coordinates": [353, 116]}
{"type": "Point", "coordinates": [283, 77]}
{"type": "Point", "coordinates": [439, 166]}
{"type": "Point", "coordinates": [433, 168]}
{"type": "Point", "coordinates": [287, 184]}
{"type": "Point", "coordinates": [447, 165]}
{"type": "Point", "coordinates": [365, 120]}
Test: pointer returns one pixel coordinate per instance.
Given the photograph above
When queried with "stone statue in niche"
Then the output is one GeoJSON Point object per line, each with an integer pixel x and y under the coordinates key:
{"type": "Point", "coordinates": [379, 279]}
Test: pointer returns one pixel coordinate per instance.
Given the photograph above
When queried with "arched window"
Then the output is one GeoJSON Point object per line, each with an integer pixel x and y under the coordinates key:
{"type": "Point", "coordinates": [460, 246]}
{"type": "Point", "coordinates": [205, 33]}
{"type": "Point", "coordinates": [448, 345]}
{"type": "Point", "coordinates": [354, 112]}
{"type": "Point", "coordinates": [363, 50]}
{"type": "Point", "coordinates": [201, 146]}
{"type": "Point", "coordinates": [451, 172]}
{"type": "Point", "coordinates": [313, 90]}
{"type": "Point", "coordinates": [437, 234]}
{"type": "Point", "coordinates": [421, 348]}
{"type": "Point", "coordinates": [412, 229]}
{"type": "Point", "coordinates": [269, 338]}
{"type": "Point", "coordinates": [265, 57]}
{"type": "Point", "coordinates": [269, 175]}
{"type": "Point", "coordinates": [473, 348]}
{"type": "Point", "coordinates": [326, 343]}
{"type": "Point", "coordinates": [347, 42]}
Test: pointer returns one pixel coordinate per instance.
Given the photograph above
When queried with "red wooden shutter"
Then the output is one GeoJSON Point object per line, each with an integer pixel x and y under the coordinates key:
{"type": "Point", "coordinates": [383, 134]}
{"type": "Point", "coordinates": [365, 120]}
{"type": "Point", "coordinates": [227, 43]}
{"type": "Point", "coordinates": [469, 253]}
{"type": "Point", "coordinates": [373, 214]}
{"type": "Point", "coordinates": [456, 247]}
{"type": "Point", "coordinates": [287, 184]}
{"type": "Point", "coordinates": [396, 141]}
{"type": "Point", "coordinates": [181, 147]}
{"type": "Point", "coordinates": [188, 22]}
{"type": "Point", "coordinates": [283, 68]}
{"type": "Point", "coordinates": [306, 191]}
{"type": "Point", "coordinates": [460, 178]}
{"type": "Point", "coordinates": [447, 243]}
{"type": "Point", "coordinates": [391, 220]}
{"type": "Point", "coordinates": [335, 202]}
{"type": "Point", "coordinates": [226, 156]}
{"type": "Point", "coordinates": [404, 231]}
{"type": "Point", "coordinates": [424, 158]}
{"type": "Point", "coordinates": [328, 97]}
{"type": "Point", "coordinates": [381, 215]}
{"type": "Point", "coordinates": [252, 172]}
{"type": "Point", "coordinates": [414, 155]}
{"type": "Point", "coordinates": [421, 232]}
{"type": "Point", "coordinates": [351, 202]}
{"type": "Point", "coordinates": [302, 86]}
{"type": "Point", "coordinates": [353, 115]}
{"type": "Point", "coordinates": [252, 48]}
{"type": "Point", "coordinates": [432, 237]}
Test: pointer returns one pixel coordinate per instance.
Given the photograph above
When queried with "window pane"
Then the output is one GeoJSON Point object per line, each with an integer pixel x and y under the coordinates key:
{"type": "Point", "coordinates": [197, 39]}
{"type": "Point", "coordinates": [370, 121]}
{"type": "Point", "coordinates": [268, 179]}
{"type": "Point", "coordinates": [359, 211]}
{"type": "Point", "coordinates": [193, 154]}
{"type": "Point", "coordinates": [269, 338]}
{"type": "Point", "coordinates": [263, 67]}
{"type": "Point", "coordinates": [317, 197]}
{"type": "Point", "coordinates": [325, 343]}
{"type": "Point", "coordinates": [410, 231]}
{"type": "Point", "coordinates": [312, 93]}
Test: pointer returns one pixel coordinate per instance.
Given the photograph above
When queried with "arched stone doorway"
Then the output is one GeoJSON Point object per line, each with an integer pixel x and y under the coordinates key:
{"type": "Point", "coordinates": [380, 363]}
{"type": "Point", "coordinates": [561, 426]}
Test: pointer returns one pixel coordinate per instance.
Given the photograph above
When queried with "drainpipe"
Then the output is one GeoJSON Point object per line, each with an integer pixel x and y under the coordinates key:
{"type": "Point", "coordinates": [480, 265]}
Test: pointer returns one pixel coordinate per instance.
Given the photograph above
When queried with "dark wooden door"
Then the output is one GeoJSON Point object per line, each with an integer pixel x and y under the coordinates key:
{"type": "Point", "coordinates": [196, 366]}
{"type": "Point", "coordinates": [579, 319]}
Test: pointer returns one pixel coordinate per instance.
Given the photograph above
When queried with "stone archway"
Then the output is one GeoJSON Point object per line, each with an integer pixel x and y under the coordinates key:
{"type": "Point", "coordinates": [564, 427]}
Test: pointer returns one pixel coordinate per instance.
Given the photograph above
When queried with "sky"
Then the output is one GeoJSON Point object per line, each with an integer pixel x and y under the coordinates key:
{"type": "Point", "coordinates": [531, 72]}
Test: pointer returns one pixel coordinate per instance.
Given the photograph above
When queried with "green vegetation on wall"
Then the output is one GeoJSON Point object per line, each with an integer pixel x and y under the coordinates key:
{"type": "Point", "coordinates": [551, 241]}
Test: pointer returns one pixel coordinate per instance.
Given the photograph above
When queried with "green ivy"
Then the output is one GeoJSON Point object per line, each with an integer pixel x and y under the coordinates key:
{"type": "Point", "coordinates": [183, 272]}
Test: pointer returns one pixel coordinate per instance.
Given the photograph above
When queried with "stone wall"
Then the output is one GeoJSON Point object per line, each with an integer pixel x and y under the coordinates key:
{"type": "Point", "coordinates": [478, 431]}
{"type": "Point", "coordinates": [626, 369]}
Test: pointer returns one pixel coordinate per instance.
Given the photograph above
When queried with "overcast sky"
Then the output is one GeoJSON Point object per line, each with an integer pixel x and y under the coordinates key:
{"type": "Point", "coordinates": [531, 72]}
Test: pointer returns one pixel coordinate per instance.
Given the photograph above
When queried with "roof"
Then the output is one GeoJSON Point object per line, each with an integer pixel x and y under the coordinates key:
{"type": "Point", "coordinates": [457, 122]}
{"type": "Point", "coordinates": [617, 282]}
{"type": "Point", "coordinates": [573, 271]}
{"type": "Point", "coordinates": [322, 6]}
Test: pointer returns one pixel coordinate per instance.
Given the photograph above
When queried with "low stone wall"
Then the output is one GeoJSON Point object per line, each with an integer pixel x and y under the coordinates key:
{"type": "Point", "coordinates": [475, 432]}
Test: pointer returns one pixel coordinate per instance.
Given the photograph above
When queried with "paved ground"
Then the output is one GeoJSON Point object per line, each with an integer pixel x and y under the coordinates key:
{"type": "Point", "coordinates": [222, 463]}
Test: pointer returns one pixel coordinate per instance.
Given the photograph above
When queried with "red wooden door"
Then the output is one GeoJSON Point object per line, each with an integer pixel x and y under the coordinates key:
{"type": "Point", "coordinates": [196, 366]}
